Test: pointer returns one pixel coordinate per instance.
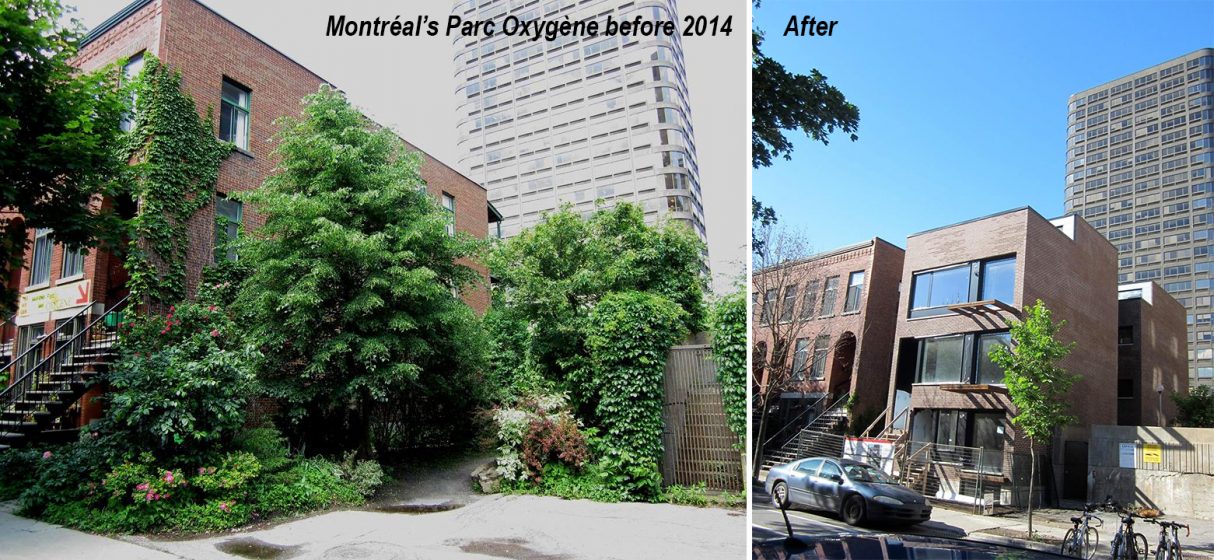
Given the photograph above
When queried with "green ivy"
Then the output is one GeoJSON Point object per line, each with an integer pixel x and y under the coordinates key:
{"type": "Point", "coordinates": [176, 166]}
{"type": "Point", "coordinates": [727, 323]}
{"type": "Point", "coordinates": [630, 333]}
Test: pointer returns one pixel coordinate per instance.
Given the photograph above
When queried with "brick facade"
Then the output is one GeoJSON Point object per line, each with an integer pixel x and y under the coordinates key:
{"type": "Point", "coordinates": [1150, 353]}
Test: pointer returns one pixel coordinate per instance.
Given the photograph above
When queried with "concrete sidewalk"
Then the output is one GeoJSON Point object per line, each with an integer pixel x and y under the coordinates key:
{"type": "Point", "coordinates": [26, 539]}
{"type": "Point", "coordinates": [1052, 525]}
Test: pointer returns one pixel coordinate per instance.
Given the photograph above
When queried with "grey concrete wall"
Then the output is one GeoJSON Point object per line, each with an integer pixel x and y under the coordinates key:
{"type": "Point", "coordinates": [1182, 484]}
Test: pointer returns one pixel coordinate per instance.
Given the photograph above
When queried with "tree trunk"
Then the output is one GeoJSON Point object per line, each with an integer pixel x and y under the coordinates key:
{"type": "Point", "coordinates": [758, 447]}
{"type": "Point", "coordinates": [1032, 477]}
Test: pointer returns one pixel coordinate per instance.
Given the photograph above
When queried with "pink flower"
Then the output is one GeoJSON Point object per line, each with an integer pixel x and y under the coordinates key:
{"type": "Point", "coordinates": [168, 476]}
{"type": "Point", "coordinates": [224, 506]}
{"type": "Point", "coordinates": [214, 332]}
{"type": "Point", "coordinates": [202, 470]}
{"type": "Point", "coordinates": [211, 308]}
{"type": "Point", "coordinates": [149, 496]}
{"type": "Point", "coordinates": [46, 455]}
{"type": "Point", "coordinates": [142, 487]}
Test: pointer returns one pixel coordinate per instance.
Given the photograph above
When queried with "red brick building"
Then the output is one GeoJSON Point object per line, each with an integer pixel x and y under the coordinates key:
{"type": "Point", "coordinates": [1151, 360]}
{"type": "Point", "coordinates": [831, 316]}
{"type": "Point", "coordinates": [248, 84]}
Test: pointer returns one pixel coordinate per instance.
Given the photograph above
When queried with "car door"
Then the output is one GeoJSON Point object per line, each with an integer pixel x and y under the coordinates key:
{"type": "Point", "coordinates": [826, 486]}
{"type": "Point", "coordinates": [800, 481]}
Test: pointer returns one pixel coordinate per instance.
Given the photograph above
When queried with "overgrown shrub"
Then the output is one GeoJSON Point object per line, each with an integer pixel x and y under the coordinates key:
{"type": "Point", "coordinates": [538, 431]}
{"type": "Point", "coordinates": [727, 322]}
{"type": "Point", "coordinates": [18, 468]}
{"type": "Point", "coordinates": [630, 334]}
{"type": "Point", "coordinates": [182, 384]}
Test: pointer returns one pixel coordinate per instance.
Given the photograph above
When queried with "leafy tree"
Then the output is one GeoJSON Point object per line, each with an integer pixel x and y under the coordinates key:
{"type": "Point", "coordinates": [1035, 383]}
{"type": "Point", "coordinates": [59, 135]}
{"type": "Point", "coordinates": [762, 218]}
{"type": "Point", "coordinates": [728, 326]}
{"type": "Point", "coordinates": [1196, 409]}
{"type": "Point", "coordinates": [353, 285]}
{"type": "Point", "coordinates": [552, 276]}
{"type": "Point", "coordinates": [782, 100]}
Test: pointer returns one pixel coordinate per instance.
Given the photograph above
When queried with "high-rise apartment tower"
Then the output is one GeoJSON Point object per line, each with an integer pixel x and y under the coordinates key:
{"type": "Point", "coordinates": [1140, 168]}
{"type": "Point", "coordinates": [578, 119]}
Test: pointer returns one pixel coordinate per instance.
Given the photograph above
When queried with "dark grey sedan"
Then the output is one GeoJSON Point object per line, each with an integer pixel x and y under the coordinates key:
{"type": "Point", "coordinates": [858, 492]}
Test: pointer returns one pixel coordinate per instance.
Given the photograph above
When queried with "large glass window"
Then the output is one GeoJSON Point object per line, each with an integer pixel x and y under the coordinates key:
{"type": "Point", "coordinates": [988, 371]}
{"type": "Point", "coordinates": [799, 358]}
{"type": "Point", "coordinates": [228, 216]}
{"type": "Point", "coordinates": [789, 306]}
{"type": "Point", "coordinates": [821, 349]}
{"type": "Point", "coordinates": [40, 265]}
{"type": "Point", "coordinates": [999, 280]}
{"type": "Point", "coordinates": [855, 290]}
{"type": "Point", "coordinates": [933, 291]}
{"type": "Point", "coordinates": [828, 296]}
{"type": "Point", "coordinates": [234, 115]}
{"type": "Point", "coordinates": [810, 300]}
{"type": "Point", "coordinates": [941, 360]}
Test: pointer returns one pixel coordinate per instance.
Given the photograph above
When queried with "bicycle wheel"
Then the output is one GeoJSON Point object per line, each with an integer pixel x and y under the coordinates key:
{"type": "Point", "coordinates": [1068, 545]}
{"type": "Point", "coordinates": [1140, 546]}
{"type": "Point", "coordinates": [1090, 541]}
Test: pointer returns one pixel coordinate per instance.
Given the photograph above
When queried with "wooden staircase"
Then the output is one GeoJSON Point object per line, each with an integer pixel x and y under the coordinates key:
{"type": "Point", "coordinates": [35, 406]}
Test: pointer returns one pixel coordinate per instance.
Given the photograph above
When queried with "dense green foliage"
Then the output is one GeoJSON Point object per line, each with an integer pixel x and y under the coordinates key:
{"type": "Point", "coordinates": [1196, 409]}
{"type": "Point", "coordinates": [98, 484]}
{"type": "Point", "coordinates": [781, 100]}
{"type": "Point", "coordinates": [353, 280]}
{"type": "Point", "coordinates": [176, 165]}
{"type": "Point", "coordinates": [59, 135]}
{"type": "Point", "coordinates": [552, 276]}
{"type": "Point", "coordinates": [183, 381]}
{"type": "Point", "coordinates": [727, 323]}
{"type": "Point", "coordinates": [630, 333]}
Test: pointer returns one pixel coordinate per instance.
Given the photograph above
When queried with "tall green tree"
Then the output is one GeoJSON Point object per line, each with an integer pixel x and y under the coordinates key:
{"type": "Point", "coordinates": [1195, 409]}
{"type": "Point", "coordinates": [59, 135]}
{"type": "Point", "coordinates": [1036, 384]}
{"type": "Point", "coordinates": [552, 275]}
{"type": "Point", "coordinates": [782, 100]}
{"type": "Point", "coordinates": [353, 293]}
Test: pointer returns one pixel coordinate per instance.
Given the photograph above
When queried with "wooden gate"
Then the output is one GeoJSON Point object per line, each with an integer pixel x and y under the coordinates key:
{"type": "Point", "coordinates": [698, 445]}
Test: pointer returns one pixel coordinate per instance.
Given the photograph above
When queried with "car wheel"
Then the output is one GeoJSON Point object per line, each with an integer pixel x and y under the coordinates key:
{"type": "Point", "coordinates": [779, 495]}
{"type": "Point", "coordinates": [853, 510]}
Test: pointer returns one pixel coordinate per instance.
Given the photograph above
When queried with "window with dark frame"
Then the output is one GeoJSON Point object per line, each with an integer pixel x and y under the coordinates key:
{"type": "Point", "coordinates": [234, 114]}
{"type": "Point", "coordinates": [228, 217]}
{"type": "Point", "coordinates": [933, 291]}
{"type": "Point", "coordinates": [449, 206]}
{"type": "Point", "coordinates": [963, 358]}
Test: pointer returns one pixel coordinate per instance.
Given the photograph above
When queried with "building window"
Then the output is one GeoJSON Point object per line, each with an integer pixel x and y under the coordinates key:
{"type": "Point", "coordinates": [821, 347]}
{"type": "Point", "coordinates": [769, 306]}
{"type": "Point", "coordinates": [130, 71]}
{"type": "Point", "coordinates": [73, 262]}
{"type": "Point", "coordinates": [228, 216]}
{"type": "Point", "coordinates": [40, 266]}
{"type": "Point", "coordinates": [449, 206]}
{"type": "Point", "coordinates": [799, 358]}
{"type": "Point", "coordinates": [809, 300]}
{"type": "Point", "coordinates": [828, 296]}
{"type": "Point", "coordinates": [948, 428]}
{"type": "Point", "coordinates": [234, 115]}
{"type": "Point", "coordinates": [1125, 334]}
{"type": "Point", "coordinates": [933, 291]}
{"type": "Point", "coordinates": [855, 289]}
{"type": "Point", "coordinates": [961, 358]}
{"type": "Point", "coordinates": [788, 307]}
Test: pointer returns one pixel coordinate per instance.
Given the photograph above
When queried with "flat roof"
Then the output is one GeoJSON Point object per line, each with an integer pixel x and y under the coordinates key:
{"type": "Point", "coordinates": [1143, 71]}
{"type": "Point", "coordinates": [832, 253]}
{"type": "Point", "coordinates": [978, 219]}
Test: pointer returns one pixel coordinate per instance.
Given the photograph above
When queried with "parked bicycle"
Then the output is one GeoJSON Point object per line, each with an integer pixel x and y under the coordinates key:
{"type": "Point", "coordinates": [1127, 545]}
{"type": "Point", "coordinates": [1169, 544]}
{"type": "Point", "coordinates": [1081, 540]}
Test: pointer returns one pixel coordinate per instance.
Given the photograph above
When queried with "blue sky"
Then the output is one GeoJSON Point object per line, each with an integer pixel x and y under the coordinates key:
{"type": "Point", "coordinates": [963, 106]}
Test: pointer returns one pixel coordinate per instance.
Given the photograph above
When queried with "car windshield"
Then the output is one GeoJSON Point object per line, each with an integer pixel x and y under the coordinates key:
{"type": "Point", "coordinates": [865, 473]}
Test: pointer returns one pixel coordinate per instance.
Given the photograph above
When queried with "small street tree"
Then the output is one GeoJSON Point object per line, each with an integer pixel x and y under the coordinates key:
{"type": "Point", "coordinates": [353, 294]}
{"type": "Point", "coordinates": [1035, 383]}
{"type": "Point", "coordinates": [778, 322]}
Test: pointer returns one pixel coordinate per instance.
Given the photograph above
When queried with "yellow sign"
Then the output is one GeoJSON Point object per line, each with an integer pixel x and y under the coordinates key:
{"type": "Point", "coordinates": [1152, 453]}
{"type": "Point", "coordinates": [63, 296]}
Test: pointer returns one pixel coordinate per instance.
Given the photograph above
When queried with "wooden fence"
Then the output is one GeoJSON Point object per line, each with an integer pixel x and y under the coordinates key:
{"type": "Point", "coordinates": [699, 447]}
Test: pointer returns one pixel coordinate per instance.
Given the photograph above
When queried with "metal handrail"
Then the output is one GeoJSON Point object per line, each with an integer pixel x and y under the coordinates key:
{"type": "Point", "coordinates": [18, 389]}
{"type": "Point", "coordinates": [842, 400]}
{"type": "Point", "coordinates": [45, 337]}
{"type": "Point", "coordinates": [864, 433]}
{"type": "Point", "coordinates": [793, 422]}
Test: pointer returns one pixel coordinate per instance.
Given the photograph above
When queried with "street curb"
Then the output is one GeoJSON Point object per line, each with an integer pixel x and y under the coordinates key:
{"type": "Point", "coordinates": [1008, 541]}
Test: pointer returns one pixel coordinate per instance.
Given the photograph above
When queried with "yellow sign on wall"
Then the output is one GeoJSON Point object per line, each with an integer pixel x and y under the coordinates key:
{"type": "Point", "coordinates": [1152, 453]}
{"type": "Point", "coordinates": [63, 296]}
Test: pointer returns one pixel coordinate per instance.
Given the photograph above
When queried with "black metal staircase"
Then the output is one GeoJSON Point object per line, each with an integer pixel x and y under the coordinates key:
{"type": "Point", "coordinates": [38, 401]}
{"type": "Point", "coordinates": [822, 436]}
